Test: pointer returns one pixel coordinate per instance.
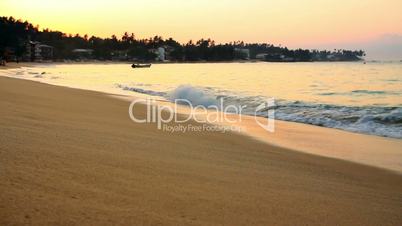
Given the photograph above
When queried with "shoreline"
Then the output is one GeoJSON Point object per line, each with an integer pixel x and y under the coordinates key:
{"type": "Point", "coordinates": [70, 156]}
{"type": "Point", "coordinates": [328, 142]}
{"type": "Point", "coordinates": [28, 64]}
{"type": "Point", "coordinates": [371, 150]}
{"type": "Point", "coordinates": [139, 94]}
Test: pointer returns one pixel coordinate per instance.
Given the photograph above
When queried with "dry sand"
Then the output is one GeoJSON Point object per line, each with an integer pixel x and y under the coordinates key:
{"type": "Point", "coordinates": [70, 157]}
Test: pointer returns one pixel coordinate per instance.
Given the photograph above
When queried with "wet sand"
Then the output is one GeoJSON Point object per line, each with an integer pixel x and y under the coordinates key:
{"type": "Point", "coordinates": [381, 152]}
{"type": "Point", "coordinates": [71, 156]}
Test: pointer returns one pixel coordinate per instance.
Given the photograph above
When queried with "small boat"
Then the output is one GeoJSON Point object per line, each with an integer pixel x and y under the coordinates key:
{"type": "Point", "coordinates": [141, 65]}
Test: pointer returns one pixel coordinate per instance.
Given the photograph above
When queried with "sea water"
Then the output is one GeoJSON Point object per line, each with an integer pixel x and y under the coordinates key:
{"type": "Point", "coordinates": [352, 96]}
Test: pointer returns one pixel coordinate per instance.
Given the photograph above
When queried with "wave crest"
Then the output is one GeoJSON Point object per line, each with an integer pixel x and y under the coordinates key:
{"type": "Point", "coordinates": [195, 96]}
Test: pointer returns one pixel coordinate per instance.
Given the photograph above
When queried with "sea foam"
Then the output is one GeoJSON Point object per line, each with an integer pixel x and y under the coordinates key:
{"type": "Point", "coordinates": [374, 120]}
{"type": "Point", "coordinates": [196, 96]}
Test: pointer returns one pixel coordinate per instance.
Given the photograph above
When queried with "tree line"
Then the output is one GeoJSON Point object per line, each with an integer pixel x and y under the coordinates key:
{"type": "Point", "coordinates": [15, 34]}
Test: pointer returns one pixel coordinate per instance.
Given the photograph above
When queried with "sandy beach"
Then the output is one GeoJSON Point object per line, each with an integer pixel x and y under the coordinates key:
{"type": "Point", "coordinates": [74, 157]}
{"type": "Point", "coordinates": [381, 152]}
{"type": "Point", "coordinates": [13, 65]}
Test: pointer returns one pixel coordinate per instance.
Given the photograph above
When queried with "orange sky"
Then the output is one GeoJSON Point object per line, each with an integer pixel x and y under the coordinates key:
{"type": "Point", "coordinates": [287, 22]}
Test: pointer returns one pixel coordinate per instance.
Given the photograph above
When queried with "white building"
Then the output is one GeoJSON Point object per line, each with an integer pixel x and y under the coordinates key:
{"type": "Point", "coordinates": [261, 56]}
{"type": "Point", "coordinates": [242, 53]}
{"type": "Point", "coordinates": [83, 53]}
{"type": "Point", "coordinates": [35, 51]}
{"type": "Point", "coordinates": [160, 52]}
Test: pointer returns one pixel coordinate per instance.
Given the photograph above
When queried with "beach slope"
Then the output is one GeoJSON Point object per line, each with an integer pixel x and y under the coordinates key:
{"type": "Point", "coordinates": [70, 156]}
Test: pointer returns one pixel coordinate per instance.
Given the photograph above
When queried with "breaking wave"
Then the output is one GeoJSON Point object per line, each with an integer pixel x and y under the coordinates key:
{"type": "Point", "coordinates": [193, 95]}
{"type": "Point", "coordinates": [374, 120]}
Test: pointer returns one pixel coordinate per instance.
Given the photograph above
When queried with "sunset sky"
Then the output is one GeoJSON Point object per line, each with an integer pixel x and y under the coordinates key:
{"type": "Point", "coordinates": [294, 23]}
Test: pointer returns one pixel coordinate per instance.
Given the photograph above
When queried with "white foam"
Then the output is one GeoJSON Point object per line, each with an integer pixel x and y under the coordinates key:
{"type": "Point", "coordinates": [139, 90]}
{"type": "Point", "coordinates": [195, 96]}
{"type": "Point", "coordinates": [375, 120]}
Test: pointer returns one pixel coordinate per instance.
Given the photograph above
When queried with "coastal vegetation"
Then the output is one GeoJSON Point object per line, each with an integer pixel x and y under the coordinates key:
{"type": "Point", "coordinates": [19, 39]}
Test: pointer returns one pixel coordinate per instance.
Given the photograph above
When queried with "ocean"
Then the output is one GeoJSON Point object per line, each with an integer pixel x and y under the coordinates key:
{"type": "Point", "coordinates": [352, 96]}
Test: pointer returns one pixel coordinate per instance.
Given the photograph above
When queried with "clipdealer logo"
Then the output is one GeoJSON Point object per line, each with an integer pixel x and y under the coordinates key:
{"type": "Point", "coordinates": [210, 118]}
